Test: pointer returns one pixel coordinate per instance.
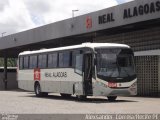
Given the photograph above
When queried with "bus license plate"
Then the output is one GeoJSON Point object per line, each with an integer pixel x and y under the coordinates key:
{"type": "Point", "coordinates": [112, 85]}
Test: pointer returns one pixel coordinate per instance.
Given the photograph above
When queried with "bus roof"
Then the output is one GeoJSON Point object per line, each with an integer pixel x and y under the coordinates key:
{"type": "Point", "coordinates": [89, 45]}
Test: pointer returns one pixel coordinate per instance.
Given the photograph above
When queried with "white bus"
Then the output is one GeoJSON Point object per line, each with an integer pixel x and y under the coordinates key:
{"type": "Point", "coordinates": [89, 69]}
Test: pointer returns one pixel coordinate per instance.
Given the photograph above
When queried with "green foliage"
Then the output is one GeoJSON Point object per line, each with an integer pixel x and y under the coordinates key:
{"type": "Point", "coordinates": [1, 62]}
{"type": "Point", "coordinates": [11, 62]}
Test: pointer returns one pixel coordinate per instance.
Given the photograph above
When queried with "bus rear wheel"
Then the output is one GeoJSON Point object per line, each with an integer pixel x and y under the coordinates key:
{"type": "Point", "coordinates": [38, 92]}
{"type": "Point", "coordinates": [65, 95]}
{"type": "Point", "coordinates": [111, 98]}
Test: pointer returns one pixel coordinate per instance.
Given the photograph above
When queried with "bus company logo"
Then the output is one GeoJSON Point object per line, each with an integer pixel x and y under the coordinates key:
{"type": "Point", "coordinates": [88, 22]}
{"type": "Point", "coordinates": [112, 85]}
{"type": "Point", "coordinates": [37, 74]}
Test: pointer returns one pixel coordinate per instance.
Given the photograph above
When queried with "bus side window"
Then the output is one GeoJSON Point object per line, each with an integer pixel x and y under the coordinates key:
{"type": "Point", "coordinates": [64, 59]}
{"type": "Point", "coordinates": [60, 60]}
{"type": "Point", "coordinates": [33, 62]}
{"type": "Point", "coordinates": [79, 63]}
{"type": "Point", "coordinates": [26, 62]}
{"type": "Point", "coordinates": [42, 61]}
{"type": "Point", "coordinates": [74, 53]}
{"type": "Point", "coordinates": [21, 63]}
{"type": "Point", "coordinates": [52, 60]}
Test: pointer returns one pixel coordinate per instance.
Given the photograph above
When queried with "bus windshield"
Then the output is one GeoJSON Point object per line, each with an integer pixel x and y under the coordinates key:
{"type": "Point", "coordinates": [115, 64]}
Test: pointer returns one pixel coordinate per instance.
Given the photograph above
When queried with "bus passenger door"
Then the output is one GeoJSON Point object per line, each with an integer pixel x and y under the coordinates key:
{"type": "Point", "coordinates": [87, 68]}
{"type": "Point", "coordinates": [78, 87]}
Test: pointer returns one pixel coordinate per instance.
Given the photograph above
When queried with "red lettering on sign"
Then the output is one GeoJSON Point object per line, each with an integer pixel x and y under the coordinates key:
{"type": "Point", "coordinates": [37, 74]}
{"type": "Point", "coordinates": [88, 22]}
{"type": "Point", "coordinates": [112, 85]}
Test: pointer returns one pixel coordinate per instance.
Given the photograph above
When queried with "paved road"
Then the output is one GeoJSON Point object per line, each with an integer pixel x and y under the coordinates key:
{"type": "Point", "coordinates": [18, 102]}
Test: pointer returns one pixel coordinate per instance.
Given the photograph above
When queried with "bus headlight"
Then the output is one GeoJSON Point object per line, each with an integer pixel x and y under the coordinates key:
{"type": "Point", "coordinates": [134, 85]}
{"type": "Point", "coordinates": [133, 88]}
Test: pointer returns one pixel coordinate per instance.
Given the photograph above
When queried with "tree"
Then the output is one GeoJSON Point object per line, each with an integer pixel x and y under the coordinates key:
{"type": "Point", "coordinates": [11, 62]}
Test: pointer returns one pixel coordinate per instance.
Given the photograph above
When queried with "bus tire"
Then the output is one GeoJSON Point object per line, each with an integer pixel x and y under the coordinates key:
{"type": "Point", "coordinates": [44, 94]}
{"type": "Point", "coordinates": [65, 95]}
{"type": "Point", "coordinates": [38, 92]}
{"type": "Point", "coordinates": [111, 98]}
{"type": "Point", "coordinates": [81, 97]}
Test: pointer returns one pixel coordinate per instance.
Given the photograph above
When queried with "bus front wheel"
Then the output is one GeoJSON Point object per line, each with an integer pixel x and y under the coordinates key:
{"type": "Point", "coordinates": [81, 97]}
{"type": "Point", "coordinates": [111, 98]}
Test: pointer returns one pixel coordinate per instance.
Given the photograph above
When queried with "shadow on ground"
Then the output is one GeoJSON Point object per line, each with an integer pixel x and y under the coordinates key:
{"type": "Point", "coordinates": [73, 98]}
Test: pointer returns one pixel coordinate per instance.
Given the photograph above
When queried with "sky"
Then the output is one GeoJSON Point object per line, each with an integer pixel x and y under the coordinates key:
{"type": "Point", "coordinates": [20, 15]}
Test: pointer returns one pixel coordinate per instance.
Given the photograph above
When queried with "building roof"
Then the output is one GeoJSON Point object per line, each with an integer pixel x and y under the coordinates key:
{"type": "Point", "coordinates": [83, 28]}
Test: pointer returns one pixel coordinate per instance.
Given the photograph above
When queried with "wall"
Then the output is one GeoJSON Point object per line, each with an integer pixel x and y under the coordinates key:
{"type": "Point", "coordinates": [140, 40]}
{"type": "Point", "coordinates": [147, 74]}
{"type": "Point", "coordinates": [12, 83]}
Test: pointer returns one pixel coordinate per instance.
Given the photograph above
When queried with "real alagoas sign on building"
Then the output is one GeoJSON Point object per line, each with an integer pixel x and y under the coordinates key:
{"type": "Point", "coordinates": [140, 10]}
{"type": "Point", "coordinates": [132, 12]}
{"type": "Point", "coordinates": [147, 8]}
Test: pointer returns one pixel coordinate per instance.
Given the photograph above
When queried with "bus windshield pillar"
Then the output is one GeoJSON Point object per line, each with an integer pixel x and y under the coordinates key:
{"type": "Point", "coordinates": [5, 72]}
